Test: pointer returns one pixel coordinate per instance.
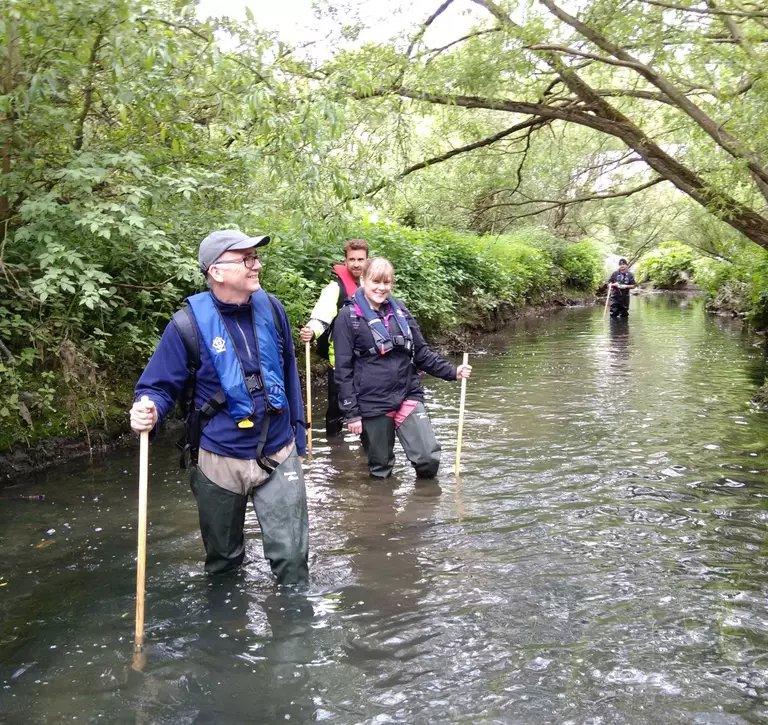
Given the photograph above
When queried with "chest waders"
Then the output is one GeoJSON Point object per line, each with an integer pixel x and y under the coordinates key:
{"type": "Point", "coordinates": [196, 419]}
{"type": "Point", "coordinates": [620, 297]}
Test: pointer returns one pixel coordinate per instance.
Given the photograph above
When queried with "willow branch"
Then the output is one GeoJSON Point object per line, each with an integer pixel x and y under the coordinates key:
{"type": "Point", "coordinates": [749, 14]}
{"type": "Point", "coordinates": [468, 36]}
{"type": "Point", "coordinates": [735, 31]}
{"type": "Point", "coordinates": [88, 95]}
{"type": "Point", "coordinates": [423, 29]}
{"type": "Point", "coordinates": [576, 200]}
{"type": "Point", "coordinates": [530, 125]}
{"type": "Point", "coordinates": [581, 54]}
{"type": "Point", "coordinates": [176, 26]}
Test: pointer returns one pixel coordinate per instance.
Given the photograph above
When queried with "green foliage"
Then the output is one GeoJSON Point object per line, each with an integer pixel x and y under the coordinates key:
{"type": "Point", "coordinates": [739, 286]}
{"type": "Point", "coordinates": [667, 266]}
{"type": "Point", "coordinates": [447, 278]}
{"type": "Point", "coordinates": [582, 264]}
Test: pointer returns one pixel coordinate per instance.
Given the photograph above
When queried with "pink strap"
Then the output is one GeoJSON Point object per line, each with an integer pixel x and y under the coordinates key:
{"type": "Point", "coordinates": [403, 412]}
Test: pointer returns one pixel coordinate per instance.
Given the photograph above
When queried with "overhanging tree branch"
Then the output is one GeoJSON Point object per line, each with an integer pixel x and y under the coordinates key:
{"type": "Point", "coordinates": [749, 14]}
{"type": "Point", "coordinates": [576, 200]}
{"type": "Point", "coordinates": [600, 116]}
{"type": "Point", "coordinates": [436, 51]}
{"type": "Point", "coordinates": [529, 125]}
{"type": "Point", "coordinates": [581, 54]}
{"type": "Point", "coordinates": [175, 26]}
{"type": "Point", "coordinates": [735, 147]}
{"type": "Point", "coordinates": [423, 29]}
{"type": "Point", "coordinates": [630, 93]}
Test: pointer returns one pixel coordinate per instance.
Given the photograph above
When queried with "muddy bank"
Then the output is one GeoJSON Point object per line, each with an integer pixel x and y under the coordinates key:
{"type": "Point", "coordinates": [24, 459]}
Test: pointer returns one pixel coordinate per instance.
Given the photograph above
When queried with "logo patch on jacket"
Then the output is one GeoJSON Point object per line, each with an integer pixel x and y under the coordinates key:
{"type": "Point", "coordinates": [219, 345]}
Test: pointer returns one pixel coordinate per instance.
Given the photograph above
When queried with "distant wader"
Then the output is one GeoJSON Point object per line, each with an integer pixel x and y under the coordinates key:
{"type": "Point", "coordinates": [620, 297]}
{"type": "Point", "coordinates": [222, 487]}
{"type": "Point", "coordinates": [415, 435]}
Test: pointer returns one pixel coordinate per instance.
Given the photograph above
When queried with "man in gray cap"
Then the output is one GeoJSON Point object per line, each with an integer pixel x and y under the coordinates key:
{"type": "Point", "coordinates": [228, 359]}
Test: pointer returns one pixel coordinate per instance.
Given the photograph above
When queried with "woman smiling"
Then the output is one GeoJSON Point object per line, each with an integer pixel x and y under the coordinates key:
{"type": "Point", "coordinates": [379, 351]}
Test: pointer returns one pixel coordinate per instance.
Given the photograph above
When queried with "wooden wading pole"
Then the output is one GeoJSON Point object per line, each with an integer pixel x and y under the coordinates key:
{"type": "Point", "coordinates": [309, 399]}
{"type": "Point", "coordinates": [141, 557]}
{"type": "Point", "coordinates": [607, 300]}
{"type": "Point", "coordinates": [461, 414]}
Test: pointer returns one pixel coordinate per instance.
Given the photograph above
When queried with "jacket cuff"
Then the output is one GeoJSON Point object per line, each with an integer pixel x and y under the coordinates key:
{"type": "Point", "coordinates": [317, 327]}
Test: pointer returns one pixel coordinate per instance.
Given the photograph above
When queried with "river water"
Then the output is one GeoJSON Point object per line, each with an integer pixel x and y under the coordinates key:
{"type": "Point", "coordinates": [602, 559]}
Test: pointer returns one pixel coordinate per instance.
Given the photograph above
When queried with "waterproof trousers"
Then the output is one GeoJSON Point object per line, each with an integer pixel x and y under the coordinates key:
{"type": "Point", "coordinates": [620, 303]}
{"type": "Point", "coordinates": [334, 418]}
{"type": "Point", "coordinates": [415, 435]}
{"type": "Point", "coordinates": [280, 503]}
{"type": "Point", "coordinates": [618, 309]}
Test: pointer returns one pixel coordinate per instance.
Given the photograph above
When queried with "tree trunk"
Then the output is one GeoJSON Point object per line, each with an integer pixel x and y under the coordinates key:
{"type": "Point", "coordinates": [10, 71]}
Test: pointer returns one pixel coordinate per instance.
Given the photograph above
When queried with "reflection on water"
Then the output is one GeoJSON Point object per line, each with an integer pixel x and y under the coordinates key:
{"type": "Point", "coordinates": [603, 559]}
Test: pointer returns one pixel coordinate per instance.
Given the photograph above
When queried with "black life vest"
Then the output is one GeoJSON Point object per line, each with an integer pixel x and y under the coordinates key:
{"type": "Point", "coordinates": [384, 340]}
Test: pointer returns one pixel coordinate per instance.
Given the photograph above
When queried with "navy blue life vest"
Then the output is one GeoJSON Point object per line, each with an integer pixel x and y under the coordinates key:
{"type": "Point", "coordinates": [383, 339]}
{"type": "Point", "coordinates": [215, 337]}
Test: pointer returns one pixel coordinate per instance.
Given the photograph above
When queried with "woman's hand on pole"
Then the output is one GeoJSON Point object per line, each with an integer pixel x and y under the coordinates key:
{"type": "Point", "coordinates": [463, 371]}
{"type": "Point", "coordinates": [143, 416]}
{"type": "Point", "coordinates": [355, 426]}
{"type": "Point", "coordinates": [306, 333]}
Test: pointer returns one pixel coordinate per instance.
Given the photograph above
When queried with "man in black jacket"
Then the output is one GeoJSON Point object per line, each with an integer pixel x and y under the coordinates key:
{"type": "Point", "coordinates": [621, 281]}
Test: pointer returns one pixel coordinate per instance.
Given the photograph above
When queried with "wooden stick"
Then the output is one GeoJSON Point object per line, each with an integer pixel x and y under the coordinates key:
{"type": "Point", "coordinates": [461, 414]}
{"type": "Point", "coordinates": [141, 557]}
{"type": "Point", "coordinates": [607, 300]}
{"type": "Point", "coordinates": [309, 399]}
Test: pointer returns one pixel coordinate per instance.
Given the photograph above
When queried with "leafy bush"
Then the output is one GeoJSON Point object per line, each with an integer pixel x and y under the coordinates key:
{"type": "Point", "coordinates": [668, 265]}
{"type": "Point", "coordinates": [582, 265]}
{"type": "Point", "coordinates": [739, 286]}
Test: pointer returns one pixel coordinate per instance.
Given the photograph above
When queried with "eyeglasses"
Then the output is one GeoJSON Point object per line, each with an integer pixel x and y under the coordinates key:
{"type": "Point", "coordinates": [249, 261]}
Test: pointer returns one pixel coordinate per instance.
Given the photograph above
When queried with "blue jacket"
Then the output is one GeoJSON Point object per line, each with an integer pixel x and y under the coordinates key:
{"type": "Point", "coordinates": [164, 377]}
{"type": "Point", "coordinates": [371, 385]}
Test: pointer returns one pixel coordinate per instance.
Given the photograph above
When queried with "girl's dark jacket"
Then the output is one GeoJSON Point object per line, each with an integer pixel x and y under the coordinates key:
{"type": "Point", "coordinates": [371, 385]}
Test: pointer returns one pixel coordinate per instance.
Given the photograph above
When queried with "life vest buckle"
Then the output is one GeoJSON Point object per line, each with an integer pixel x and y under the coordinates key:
{"type": "Point", "coordinates": [386, 346]}
{"type": "Point", "coordinates": [254, 383]}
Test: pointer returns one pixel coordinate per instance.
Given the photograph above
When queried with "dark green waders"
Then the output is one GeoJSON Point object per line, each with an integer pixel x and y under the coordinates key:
{"type": "Point", "coordinates": [281, 507]}
{"type": "Point", "coordinates": [416, 436]}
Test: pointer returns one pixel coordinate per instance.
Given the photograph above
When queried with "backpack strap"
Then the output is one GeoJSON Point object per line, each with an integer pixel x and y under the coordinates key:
{"type": "Point", "coordinates": [276, 319]}
{"type": "Point", "coordinates": [187, 329]}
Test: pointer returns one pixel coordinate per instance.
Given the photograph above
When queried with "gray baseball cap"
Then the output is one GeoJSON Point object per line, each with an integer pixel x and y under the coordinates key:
{"type": "Point", "coordinates": [216, 243]}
